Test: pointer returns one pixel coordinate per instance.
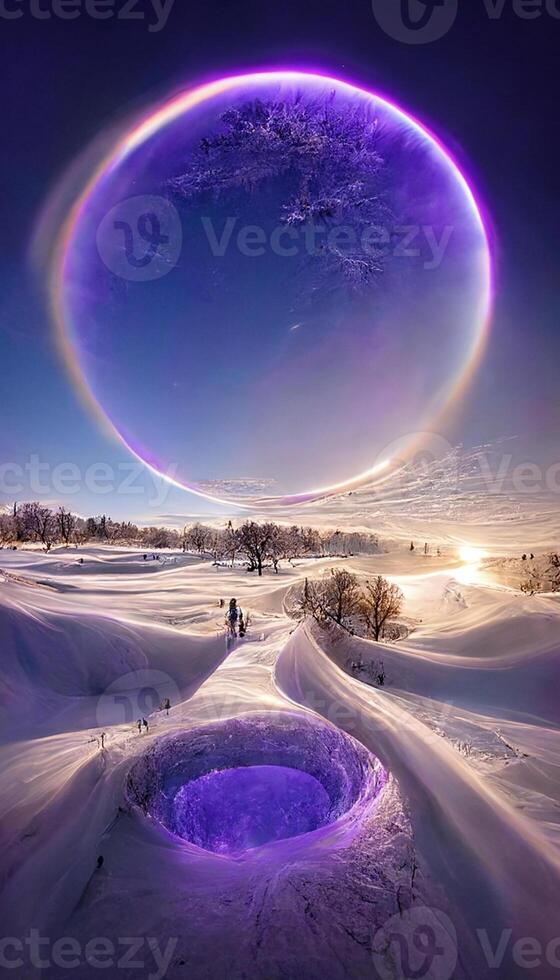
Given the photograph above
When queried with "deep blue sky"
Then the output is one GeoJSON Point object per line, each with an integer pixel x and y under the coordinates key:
{"type": "Point", "coordinates": [489, 87]}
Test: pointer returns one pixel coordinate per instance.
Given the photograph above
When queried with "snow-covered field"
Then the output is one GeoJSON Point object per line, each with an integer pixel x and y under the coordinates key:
{"type": "Point", "coordinates": [438, 846]}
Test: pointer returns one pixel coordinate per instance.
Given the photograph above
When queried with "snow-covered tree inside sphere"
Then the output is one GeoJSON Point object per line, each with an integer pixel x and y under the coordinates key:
{"type": "Point", "coordinates": [270, 280]}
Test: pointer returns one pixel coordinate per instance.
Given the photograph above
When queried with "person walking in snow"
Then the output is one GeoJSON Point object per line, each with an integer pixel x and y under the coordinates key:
{"type": "Point", "coordinates": [234, 616]}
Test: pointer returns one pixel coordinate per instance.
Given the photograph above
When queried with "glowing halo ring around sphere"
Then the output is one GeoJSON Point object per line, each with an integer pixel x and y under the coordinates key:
{"type": "Point", "coordinates": [156, 120]}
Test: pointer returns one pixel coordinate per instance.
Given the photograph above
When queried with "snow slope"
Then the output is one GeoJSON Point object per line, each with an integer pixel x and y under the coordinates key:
{"type": "Point", "coordinates": [465, 822]}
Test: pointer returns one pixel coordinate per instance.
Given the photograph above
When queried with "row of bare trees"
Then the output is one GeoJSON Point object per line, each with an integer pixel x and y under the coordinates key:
{"type": "Point", "coordinates": [267, 544]}
{"type": "Point", "coordinates": [38, 523]}
{"type": "Point", "coordinates": [258, 545]}
{"type": "Point", "coordinates": [340, 598]}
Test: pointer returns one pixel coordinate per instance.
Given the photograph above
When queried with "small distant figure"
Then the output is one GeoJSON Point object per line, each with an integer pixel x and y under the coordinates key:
{"type": "Point", "coordinates": [531, 556]}
{"type": "Point", "coordinates": [222, 603]}
{"type": "Point", "coordinates": [145, 558]}
{"type": "Point", "coordinates": [139, 726]}
{"type": "Point", "coordinates": [99, 862]}
{"type": "Point", "coordinates": [103, 737]}
{"type": "Point", "coordinates": [145, 725]}
{"type": "Point", "coordinates": [166, 705]}
{"type": "Point", "coordinates": [523, 557]}
{"type": "Point", "coordinates": [234, 616]}
{"type": "Point", "coordinates": [426, 548]}
{"type": "Point", "coordinates": [439, 552]}
{"type": "Point", "coordinates": [80, 561]}
{"type": "Point", "coordinates": [242, 626]}
{"type": "Point", "coordinates": [412, 545]}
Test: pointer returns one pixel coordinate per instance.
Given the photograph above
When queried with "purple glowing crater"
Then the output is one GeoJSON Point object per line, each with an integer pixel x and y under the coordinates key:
{"type": "Point", "coordinates": [252, 781]}
{"type": "Point", "coordinates": [233, 810]}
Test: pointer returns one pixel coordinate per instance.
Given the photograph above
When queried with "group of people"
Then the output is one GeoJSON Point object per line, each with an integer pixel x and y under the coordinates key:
{"type": "Point", "coordinates": [236, 626]}
{"type": "Point", "coordinates": [143, 726]}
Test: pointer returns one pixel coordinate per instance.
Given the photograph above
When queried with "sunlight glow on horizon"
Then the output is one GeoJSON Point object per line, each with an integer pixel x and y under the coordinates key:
{"type": "Point", "coordinates": [469, 554]}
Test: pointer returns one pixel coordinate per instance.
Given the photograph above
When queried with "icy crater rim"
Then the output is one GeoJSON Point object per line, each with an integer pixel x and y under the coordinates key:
{"type": "Point", "coordinates": [249, 782]}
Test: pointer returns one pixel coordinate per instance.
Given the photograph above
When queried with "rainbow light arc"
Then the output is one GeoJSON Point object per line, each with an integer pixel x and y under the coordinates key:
{"type": "Point", "coordinates": [142, 130]}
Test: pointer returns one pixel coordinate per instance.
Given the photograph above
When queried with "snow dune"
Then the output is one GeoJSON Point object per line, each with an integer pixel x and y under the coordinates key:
{"type": "Point", "coordinates": [464, 821]}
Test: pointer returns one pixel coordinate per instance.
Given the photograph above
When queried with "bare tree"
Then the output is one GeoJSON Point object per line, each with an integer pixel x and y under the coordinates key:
{"type": "Point", "coordinates": [311, 541]}
{"type": "Point", "coordinates": [342, 595]}
{"type": "Point", "coordinates": [185, 537]}
{"type": "Point", "coordinates": [311, 602]}
{"type": "Point", "coordinates": [38, 523]}
{"type": "Point", "coordinates": [281, 545]}
{"type": "Point", "coordinates": [80, 534]}
{"type": "Point", "coordinates": [91, 527]}
{"type": "Point", "coordinates": [231, 543]}
{"type": "Point", "coordinates": [381, 601]}
{"type": "Point", "coordinates": [198, 537]}
{"type": "Point", "coordinates": [336, 598]}
{"type": "Point", "coordinates": [65, 524]}
{"type": "Point", "coordinates": [260, 544]}
{"type": "Point", "coordinates": [7, 528]}
{"type": "Point", "coordinates": [18, 522]}
{"type": "Point", "coordinates": [554, 570]}
{"type": "Point", "coordinates": [255, 542]}
{"type": "Point", "coordinates": [158, 537]}
{"type": "Point", "coordinates": [215, 545]}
